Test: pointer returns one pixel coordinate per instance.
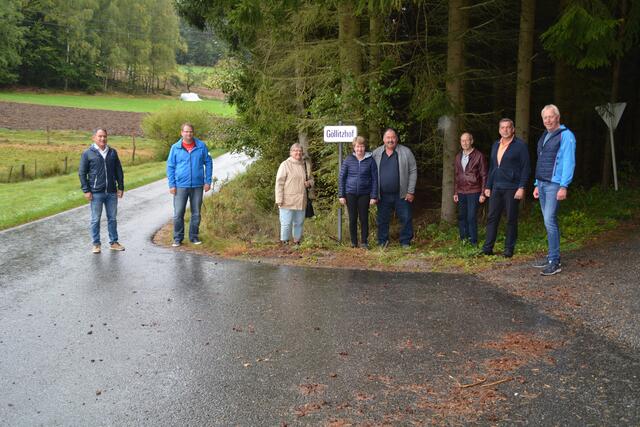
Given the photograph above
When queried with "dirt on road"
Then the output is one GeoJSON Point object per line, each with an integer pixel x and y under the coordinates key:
{"type": "Point", "coordinates": [30, 116]}
{"type": "Point", "coordinates": [598, 287]}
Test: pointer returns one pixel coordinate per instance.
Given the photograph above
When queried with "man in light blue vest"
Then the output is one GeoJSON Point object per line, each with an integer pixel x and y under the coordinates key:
{"type": "Point", "coordinates": [554, 171]}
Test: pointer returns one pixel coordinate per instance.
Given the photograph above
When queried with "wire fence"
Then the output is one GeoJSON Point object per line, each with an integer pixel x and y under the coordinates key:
{"type": "Point", "coordinates": [32, 169]}
{"type": "Point", "coordinates": [37, 169]}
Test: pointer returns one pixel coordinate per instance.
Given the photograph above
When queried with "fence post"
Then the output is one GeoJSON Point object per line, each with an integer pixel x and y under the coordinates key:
{"type": "Point", "coordinates": [22, 171]}
{"type": "Point", "coordinates": [10, 172]}
{"type": "Point", "coordinates": [48, 136]}
{"type": "Point", "coordinates": [133, 141]}
{"type": "Point", "coordinates": [66, 159]}
{"type": "Point", "coordinates": [35, 169]}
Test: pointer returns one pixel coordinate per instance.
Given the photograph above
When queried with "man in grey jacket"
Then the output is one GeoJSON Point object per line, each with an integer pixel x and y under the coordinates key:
{"type": "Point", "coordinates": [397, 175]}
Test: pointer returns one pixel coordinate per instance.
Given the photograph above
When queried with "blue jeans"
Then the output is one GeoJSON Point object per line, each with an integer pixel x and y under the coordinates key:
{"type": "Point", "coordinates": [289, 218]}
{"type": "Point", "coordinates": [110, 202]}
{"type": "Point", "coordinates": [387, 204]}
{"type": "Point", "coordinates": [180, 205]}
{"type": "Point", "coordinates": [467, 216]}
{"type": "Point", "coordinates": [549, 205]}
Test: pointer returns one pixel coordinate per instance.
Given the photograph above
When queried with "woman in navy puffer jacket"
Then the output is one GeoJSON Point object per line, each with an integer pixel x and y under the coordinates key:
{"type": "Point", "coordinates": [358, 189]}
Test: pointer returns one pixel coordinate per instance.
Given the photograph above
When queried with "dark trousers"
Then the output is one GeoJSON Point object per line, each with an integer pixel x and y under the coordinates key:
{"type": "Point", "coordinates": [468, 216]}
{"type": "Point", "coordinates": [502, 200]}
{"type": "Point", "coordinates": [386, 205]}
{"type": "Point", "coordinates": [358, 207]}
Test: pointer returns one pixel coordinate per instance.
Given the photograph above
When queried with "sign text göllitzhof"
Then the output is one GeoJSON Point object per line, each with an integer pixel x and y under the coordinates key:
{"type": "Point", "coordinates": [340, 133]}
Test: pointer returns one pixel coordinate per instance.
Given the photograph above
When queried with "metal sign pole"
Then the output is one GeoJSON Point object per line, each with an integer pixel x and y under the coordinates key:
{"type": "Point", "coordinates": [339, 205]}
{"type": "Point", "coordinates": [613, 158]}
{"type": "Point", "coordinates": [339, 134]}
{"type": "Point", "coordinates": [611, 114]}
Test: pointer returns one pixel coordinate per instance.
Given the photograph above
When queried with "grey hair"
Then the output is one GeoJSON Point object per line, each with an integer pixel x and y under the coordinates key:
{"type": "Point", "coordinates": [506, 119]}
{"type": "Point", "coordinates": [551, 107]}
{"type": "Point", "coordinates": [96, 130]}
{"type": "Point", "coordinates": [467, 133]}
{"type": "Point", "coordinates": [296, 145]}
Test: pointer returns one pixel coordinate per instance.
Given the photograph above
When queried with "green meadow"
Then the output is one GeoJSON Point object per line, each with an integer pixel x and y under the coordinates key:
{"type": "Point", "coordinates": [134, 104]}
{"type": "Point", "coordinates": [27, 154]}
{"type": "Point", "coordinates": [59, 193]}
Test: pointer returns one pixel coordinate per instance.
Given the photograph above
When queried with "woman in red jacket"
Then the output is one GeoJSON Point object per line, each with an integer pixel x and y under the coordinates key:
{"type": "Point", "coordinates": [470, 169]}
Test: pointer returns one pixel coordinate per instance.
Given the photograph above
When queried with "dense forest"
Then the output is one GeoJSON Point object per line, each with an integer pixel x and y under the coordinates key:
{"type": "Point", "coordinates": [431, 69]}
{"type": "Point", "coordinates": [98, 44]}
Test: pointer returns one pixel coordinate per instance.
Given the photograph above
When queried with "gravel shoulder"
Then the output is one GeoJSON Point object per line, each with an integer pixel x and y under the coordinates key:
{"type": "Point", "coordinates": [598, 287]}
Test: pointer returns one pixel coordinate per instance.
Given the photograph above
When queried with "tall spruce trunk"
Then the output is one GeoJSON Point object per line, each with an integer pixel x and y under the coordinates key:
{"type": "Point", "coordinates": [375, 36]}
{"type": "Point", "coordinates": [607, 170]}
{"type": "Point", "coordinates": [525, 59]}
{"type": "Point", "coordinates": [350, 56]}
{"type": "Point", "coordinates": [303, 137]}
{"type": "Point", "coordinates": [455, 91]}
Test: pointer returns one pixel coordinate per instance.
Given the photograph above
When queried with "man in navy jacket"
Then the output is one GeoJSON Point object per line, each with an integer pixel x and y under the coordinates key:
{"type": "Point", "coordinates": [102, 182]}
{"type": "Point", "coordinates": [508, 174]}
{"type": "Point", "coordinates": [554, 171]}
{"type": "Point", "coordinates": [189, 171]}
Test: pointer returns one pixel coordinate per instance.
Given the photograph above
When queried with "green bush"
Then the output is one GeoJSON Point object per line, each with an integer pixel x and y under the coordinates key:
{"type": "Point", "coordinates": [164, 126]}
{"type": "Point", "coordinates": [233, 213]}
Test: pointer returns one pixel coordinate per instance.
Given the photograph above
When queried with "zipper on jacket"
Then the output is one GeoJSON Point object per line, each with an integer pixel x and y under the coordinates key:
{"type": "Point", "coordinates": [358, 180]}
{"type": "Point", "coordinates": [106, 176]}
{"type": "Point", "coordinates": [190, 169]}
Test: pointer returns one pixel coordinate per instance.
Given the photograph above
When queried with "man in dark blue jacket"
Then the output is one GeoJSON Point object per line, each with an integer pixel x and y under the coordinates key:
{"type": "Point", "coordinates": [508, 174]}
{"type": "Point", "coordinates": [102, 182]}
{"type": "Point", "coordinates": [554, 171]}
{"type": "Point", "coordinates": [189, 171]}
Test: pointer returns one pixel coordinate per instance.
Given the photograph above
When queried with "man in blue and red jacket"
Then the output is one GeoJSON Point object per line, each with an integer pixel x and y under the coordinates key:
{"type": "Point", "coordinates": [189, 171]}
{"type": "Point", "coordinates": [554, 171]}
{"type": "Point", "coordinates": [508, 174]}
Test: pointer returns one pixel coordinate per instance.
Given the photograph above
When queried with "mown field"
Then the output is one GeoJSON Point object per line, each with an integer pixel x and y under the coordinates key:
{"type": "Point", "coordinates": [38, 167]}
{"type": "Point", "coordinates": [28, 154]}
{"type": "Point", "coordinates": [113, 102]}
{"type": "Point", "coordinates": [25, 201]}
{"type": "Point", "coordinates": [22, 202]}
{"type": "Point", "coordinates": [199, 69]}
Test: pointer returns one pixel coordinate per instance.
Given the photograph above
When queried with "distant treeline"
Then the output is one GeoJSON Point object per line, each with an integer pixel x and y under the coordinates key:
{"type": "Point", "coordinates": [94, 44]}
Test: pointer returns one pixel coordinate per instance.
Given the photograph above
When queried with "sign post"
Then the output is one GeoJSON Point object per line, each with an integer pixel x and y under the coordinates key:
{"type": "Point", "coordinates": [611, 114]}
{"type": "Point", "coordinates": [339, 134]}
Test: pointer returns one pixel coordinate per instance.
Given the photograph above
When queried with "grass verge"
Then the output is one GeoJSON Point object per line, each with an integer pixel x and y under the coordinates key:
{"type": "Point", "coordinates": [135, 104]}
{"type": "Point", "coordinates": [234, 226]}
{"type": "Point", "coordinates": [36, 153]}
{"type": "Point", "coordinates": [27, 201]}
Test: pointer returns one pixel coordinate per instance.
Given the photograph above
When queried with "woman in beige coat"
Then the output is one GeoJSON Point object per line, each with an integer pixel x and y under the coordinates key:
{"type": "Point", "coordinates": [292, 181]}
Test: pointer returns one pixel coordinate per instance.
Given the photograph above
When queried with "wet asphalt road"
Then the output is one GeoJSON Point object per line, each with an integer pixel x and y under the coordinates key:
{"type": "Point", "coordinates": [154, 336]}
